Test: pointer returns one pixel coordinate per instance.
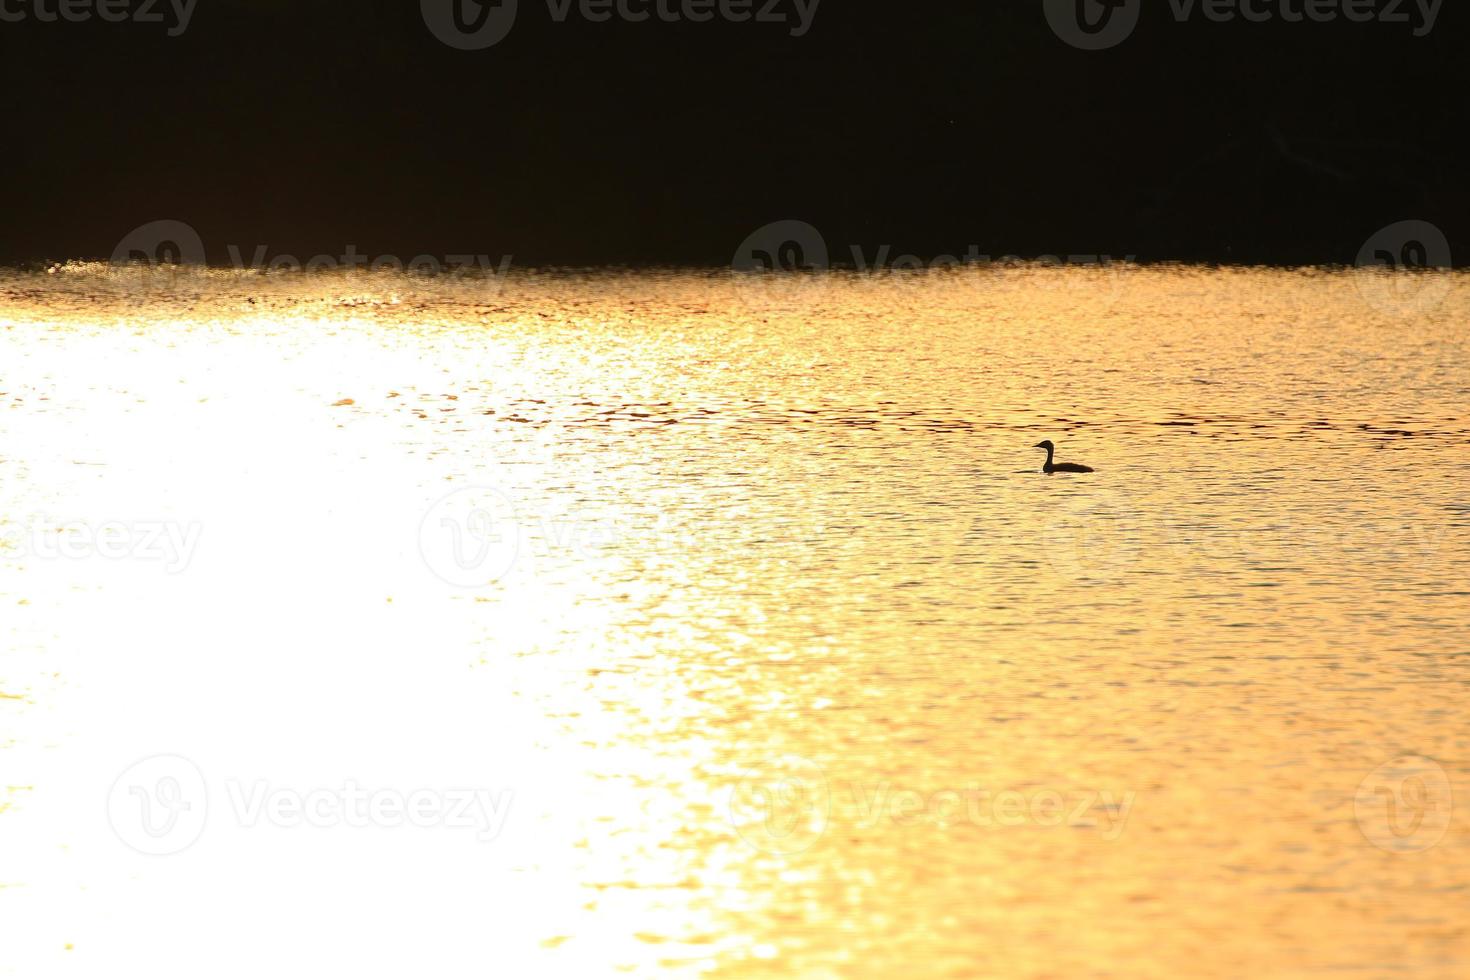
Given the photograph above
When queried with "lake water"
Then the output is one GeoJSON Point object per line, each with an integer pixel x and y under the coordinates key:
{"type": "Point", "coordinates": [678, 623]}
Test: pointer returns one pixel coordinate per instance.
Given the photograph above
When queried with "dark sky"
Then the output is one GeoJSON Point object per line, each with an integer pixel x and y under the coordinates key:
{"type": "Point", "coordinates": [308, 126]}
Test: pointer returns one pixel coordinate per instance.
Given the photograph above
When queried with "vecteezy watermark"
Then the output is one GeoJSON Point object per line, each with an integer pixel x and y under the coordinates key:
{"type": "Point", "coordinates": [1404, 806]}
{"type": "Point", "coordinates": [160, 805]}
{"type": "Point", "coordinates": [1095, 25]}
{"type": "Point", "coordinates": [169, 543]}
{"type": "Point", "coordinates": [471, 537]}
{"type": "Point", "coordinates": [351, 261]}
{"type": "Point", "coordinates": [1403, 268]}
{"type": "Point", "coordinates": [166, 248]}
{"type": "Point", "coordinates": [350, 805]}
{"type": "Point", "coordinates": [786, 805]}
{"type": "Point", "coordinates": [469, 25]}
{"type": "Point", "coordinates": [473, 25]}
{"type": "Point", "coordinates": [1092, 25]}
{"type": "Point", "coordinates": [475, 536]}
{"type": "Point", "coordinates": [160, 243]}
{"type": "Point", "coordinates": [110, 11]}
{"type": "Point", "coordinates": [782, 807]}
{"type": "Point", "coordinates": [788, 263]}
{"type": "Point", "coordinates": [781, 264]}
{"type": "Point", "coordinates": [1094, 534]}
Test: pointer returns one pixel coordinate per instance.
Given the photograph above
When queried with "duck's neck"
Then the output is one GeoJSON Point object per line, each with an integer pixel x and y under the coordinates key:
{"type": "Point", "coordinates": [1049, 453]}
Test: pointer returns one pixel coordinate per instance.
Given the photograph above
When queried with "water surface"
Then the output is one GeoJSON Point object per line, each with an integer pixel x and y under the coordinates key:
{"type": "Point", "coordinates": [789, 659]}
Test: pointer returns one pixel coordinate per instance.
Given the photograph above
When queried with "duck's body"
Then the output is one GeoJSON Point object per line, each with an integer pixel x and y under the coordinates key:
{"type": "Point", "coordinates": [1053, 467]}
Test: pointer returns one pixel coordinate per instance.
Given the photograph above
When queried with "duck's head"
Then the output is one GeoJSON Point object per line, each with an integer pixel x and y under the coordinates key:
{"type": "Point", "coordinates": [1044, 444]}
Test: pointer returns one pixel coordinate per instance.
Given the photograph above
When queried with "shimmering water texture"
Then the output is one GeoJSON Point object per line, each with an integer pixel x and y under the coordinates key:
{"type": "Point", "coordinates": [747, 598]}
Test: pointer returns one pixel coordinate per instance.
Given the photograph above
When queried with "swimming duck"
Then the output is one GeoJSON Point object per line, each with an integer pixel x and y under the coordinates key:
{"type": "Point", "coordinates": [1051, 467]}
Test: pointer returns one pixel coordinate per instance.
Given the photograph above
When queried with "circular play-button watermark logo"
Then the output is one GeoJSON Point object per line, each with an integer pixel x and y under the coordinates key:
{"type": "Point", "coordinates": [1097, 535]}
{"type": "Point", "coordinates": [1404, 806]}
{"type": "Point", "coordinates": [781, 265]}
{"type": "Point", "coordinates": [469, 25]}
{"type": "Point", "coordinates": [1093, 25]}
{"type": "Point", "coordinates": [158, 806]}
{"type": "Point", "coordinates": [781, 807]}
{"type": "Point", "coordinates": [1402, 269]}
{"type": "Point", "coordinates": [160, 243]}
{"type": "Point", "coordinates": [471, 537]}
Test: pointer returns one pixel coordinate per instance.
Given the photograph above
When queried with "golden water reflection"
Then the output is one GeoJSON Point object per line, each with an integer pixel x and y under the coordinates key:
{"type": "Point", "coordinates": [797, 665]}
